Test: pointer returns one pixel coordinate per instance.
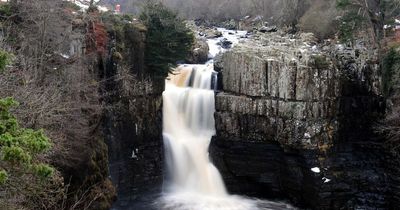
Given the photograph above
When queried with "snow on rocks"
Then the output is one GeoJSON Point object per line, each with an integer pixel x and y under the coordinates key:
{"type": "Point", "coordinates": [316, 170]}
{"type": "Point", "coordinates": [326, 180]}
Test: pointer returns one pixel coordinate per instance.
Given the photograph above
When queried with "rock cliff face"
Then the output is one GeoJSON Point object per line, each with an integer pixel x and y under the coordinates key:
{"type": "Point", "coordinates": [132, 122]}
{"type": "Point", "coordinates": [294, 120]}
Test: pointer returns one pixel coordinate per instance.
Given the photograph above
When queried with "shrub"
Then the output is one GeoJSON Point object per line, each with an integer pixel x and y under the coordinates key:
{"type": "Point", "coordinates": [5, 59]}
{"type": "Point", "coordinates": [5, 10]}
{"type": "Point", "coordinates": [351, 20]}
{"type": "Point", "coordinates": [350, 23]}
{"type": "Point", "coordinates": [168, 39]}
{"type": "Point", "coordinates": [20, 147]}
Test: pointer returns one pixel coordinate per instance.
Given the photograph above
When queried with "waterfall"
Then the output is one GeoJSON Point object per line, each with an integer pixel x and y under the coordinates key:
{"type": "Point", "coordinates": [193, 182]}
{"type": "Point", "coordinates": [188, 125]}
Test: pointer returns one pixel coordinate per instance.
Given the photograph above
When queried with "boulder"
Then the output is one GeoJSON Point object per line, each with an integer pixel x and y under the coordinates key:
{"type": "Point", "coordinates": [268, 29]}
{"type": "Point", "coordinates": [212, 33]}
{"type": "Point", "coordinates": [225, 43]}
{"type": "Point", "coordinates": [199, 53]}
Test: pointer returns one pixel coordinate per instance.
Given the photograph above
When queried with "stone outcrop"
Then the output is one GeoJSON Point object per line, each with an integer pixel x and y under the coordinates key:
{"type": "Point", "coordinates": [294, 121]}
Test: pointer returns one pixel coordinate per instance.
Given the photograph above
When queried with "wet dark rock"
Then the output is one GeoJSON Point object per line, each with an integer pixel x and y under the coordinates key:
{"type": "Point", "coordinates": [225, 43]}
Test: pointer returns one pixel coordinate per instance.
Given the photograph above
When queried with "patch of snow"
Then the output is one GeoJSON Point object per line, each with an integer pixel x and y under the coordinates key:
{"type": "Point", "coordinates": [316, 170]}
{"type": "Point", "coordinates": [340, 47]}
{"type": "Point", "coordinates": [326, 180]}
{"type": "Point", "coordinates": [397, 21]}
{"type": "Point", "coordinates": [314, 48]}
{"type": "Point", "coordinates": [64, 55]}
{"type": "Point", "coordinates": [307, 135]}
{"type": "Point", "coordinates": [102, 8]}
{"type": "Point", "coordinates": [135, 152]}
{"type": "Point", "coordinates": [134, 156]}
{"type": "Point", "coordinates": [84, 4]}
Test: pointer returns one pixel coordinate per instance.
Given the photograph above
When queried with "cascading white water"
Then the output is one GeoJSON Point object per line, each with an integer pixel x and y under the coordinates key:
{"type": "Point", "coordinates": [193, 182]}
{"type": "Point", "coordinates": [188, 108]}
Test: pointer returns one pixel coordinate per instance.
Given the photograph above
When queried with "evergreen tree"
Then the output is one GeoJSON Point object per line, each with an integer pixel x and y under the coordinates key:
{"type": "Point", "coordinates": [20, 147]}
{"type": "Point", "coordinates": [168, 38]}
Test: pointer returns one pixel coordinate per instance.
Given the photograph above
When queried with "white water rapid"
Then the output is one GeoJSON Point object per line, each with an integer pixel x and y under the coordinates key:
{"type": "Point", "coordinates": [193, 182]}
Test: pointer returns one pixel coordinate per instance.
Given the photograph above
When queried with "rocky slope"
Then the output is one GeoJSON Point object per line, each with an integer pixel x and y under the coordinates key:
{"type": "Point", "coordinates": [294, 120]}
